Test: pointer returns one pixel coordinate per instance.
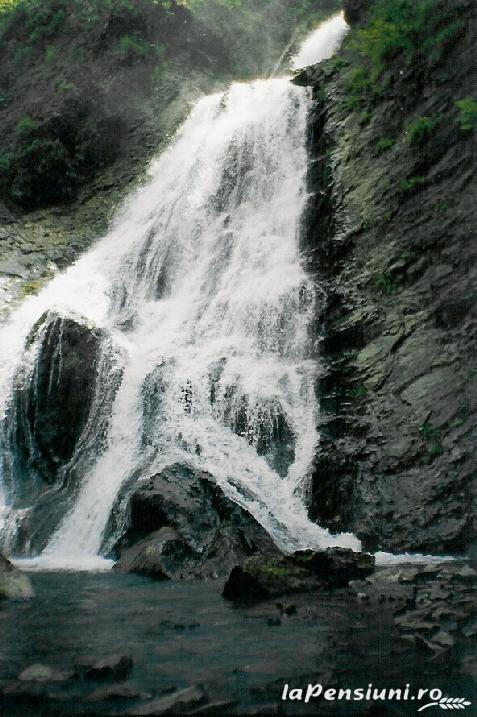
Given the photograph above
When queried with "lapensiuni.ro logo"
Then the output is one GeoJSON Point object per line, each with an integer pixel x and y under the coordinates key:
{"type": "Point", "coordinates": [424, 698]}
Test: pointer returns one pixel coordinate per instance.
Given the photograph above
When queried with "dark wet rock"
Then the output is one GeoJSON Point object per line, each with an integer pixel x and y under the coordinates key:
{"type": "Point", "coordinates": [112, 693]}
{"type": "Point", "coordinates": [397, 464]}
{"type": "Point", "coordinates": [51, 407]}
{"type": "Point", "coordinates": [176, 703]}
{"type": "Point", "coordinates": [163, 555]}
{"type": "Point", "coordinates": [335, 566]}
{"type": "Point", "coordinates": [470, 630]}
{"type": "Point", "coordinates": [304, 571]}
{"type": "Point", "coordinates": [433, 608]}
{"type": "Point", "coordinates": [355, 10]}
{"type": "Point", "coordinates": [207, 533]}
{"type": "Point", "coordinates": [219, 708]}
{"type": "Point", "coordinates": [116, 667]}
{"type": "Point", "coordinates": [266, 427]}
{"type": "Point", "coordinates": [13, 583]}
{"type": "Point", "coordinates": [47, 416]}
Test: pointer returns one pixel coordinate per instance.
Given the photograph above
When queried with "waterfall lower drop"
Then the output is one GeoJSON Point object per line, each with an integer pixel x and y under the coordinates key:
{"type": "Point", "coordinates": [201, 289]}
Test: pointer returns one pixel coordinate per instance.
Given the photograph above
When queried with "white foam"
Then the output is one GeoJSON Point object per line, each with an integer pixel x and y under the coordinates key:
{"type": "Point", "coordinates": [322, 43]}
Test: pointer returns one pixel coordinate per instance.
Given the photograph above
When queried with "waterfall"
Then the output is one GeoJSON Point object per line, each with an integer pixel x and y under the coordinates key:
{"type": "Point", "coordinates": [206, 326]}
{"type": "Point", "coordinates": [322, 43]}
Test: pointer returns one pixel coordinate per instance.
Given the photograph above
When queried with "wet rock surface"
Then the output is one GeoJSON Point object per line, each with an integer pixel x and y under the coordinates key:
{"type": "Point", "coordinates": [181, 524]}
{"type": "Point", "coordinates": [13, 583]}
{"type": "Point", "coordinates": [47, 417]}
{"type": "Point", "coordinates": [397, 460]}
{"type": "Point", "coordinates": [179, 702]}
{"type": "Point", "coordinates": [117, 667]}
{"type": "Point", "coordinates": [261, 578]}
{"type": "Point", "coordinates": [50, 408]}
{"type": "Point", "coordinates": [433, 605]}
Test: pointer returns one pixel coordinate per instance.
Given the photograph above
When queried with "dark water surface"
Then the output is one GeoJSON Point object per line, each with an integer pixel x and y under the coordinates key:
{"type": "Point", "coordinates": [184, 634]}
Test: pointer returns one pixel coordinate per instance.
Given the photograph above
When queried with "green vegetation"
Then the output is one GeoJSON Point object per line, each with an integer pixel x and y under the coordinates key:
{"type": "Point", "coordinates": [468, 114]}
{"type": "Point", "coordinates": [432, 440]}
{"type": "Point", "coordinates": [408, 28]}
{"type": "Point", "coordinates": [359, 391]}
{"type": "Point", "coordinates": [132, 47]}
{"type": "Point", "coordinates": [413, 184]}
{"type": "Point", "coordinates": [80, 77]}
{"type": "Point", "coordinates": [385, 284]}
{"type": "Point", "coordinates": [417, 33]}
{"type": "Point", "coordinates": [420, 131]}
{"type": "Point", "coordinates": [25, 125]}
{"type": "Point", "coordinates": [384, 144]}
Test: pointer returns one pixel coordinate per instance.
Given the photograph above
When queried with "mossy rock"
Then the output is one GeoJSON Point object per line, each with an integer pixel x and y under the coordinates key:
{"type": "Point", "coordinates": [13, 583]}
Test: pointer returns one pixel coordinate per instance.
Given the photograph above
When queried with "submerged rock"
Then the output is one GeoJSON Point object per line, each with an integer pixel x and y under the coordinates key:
{"type": "Point", "coordinates": [303, 571]}
{"type": "Point", "coordinates": [115, 692]}
{"type": "Point", "coordinates": [178, 702]}
{"type": "Point", "coordinates": [13, 583]}
{"type": "Point", "coordinates": [181, 524]}
{"type": "Point", "coordinates": [117, 667]}
{"type": "Point", "coordinates": [42, 673]}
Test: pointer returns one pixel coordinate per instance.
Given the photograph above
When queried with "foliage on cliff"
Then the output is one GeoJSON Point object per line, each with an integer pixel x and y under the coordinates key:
{"type": "Point", "coordinates": [79, 80]}
{"type": "Point", "coordinates": [401, 34]}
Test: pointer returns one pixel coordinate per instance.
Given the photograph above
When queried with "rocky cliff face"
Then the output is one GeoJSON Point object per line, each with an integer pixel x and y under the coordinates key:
{"type": "Point", "coordinates": [393, 241]}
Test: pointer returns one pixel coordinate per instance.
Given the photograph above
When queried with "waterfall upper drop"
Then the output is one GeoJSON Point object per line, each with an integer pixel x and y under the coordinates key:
{"type": "Point", "coordinates": [200, 320]}
{"type": "Point", "coordinates": [322, 43]}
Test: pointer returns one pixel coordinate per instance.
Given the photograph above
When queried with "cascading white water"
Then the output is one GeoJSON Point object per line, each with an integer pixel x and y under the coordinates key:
{"type": "Point", "coordinates": [322, 43]}
{"type": "Point", "coordinates": [201, 284]}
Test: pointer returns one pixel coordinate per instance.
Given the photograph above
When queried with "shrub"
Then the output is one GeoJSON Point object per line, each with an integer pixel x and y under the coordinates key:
{"type": "Point", "coordinates": [359, 86]}
{"type": "Point", "coordinates": [23, 54]}
{"type": "Point", "coordinates": [130, 47]}
{"type": "Point", "coordinates": [419, 30]}
{"type": "Point", "coordinates": [25, 125]}
{"type": "Point", "coordinates": [432, 438]}
{"type": "Point", "coordinates": [51, 53]}
{"type": "Point", "coordinates": [42, 172]}
{"type": "Point", "coordinates": [5, 160]}
{"type": "Point", "coordinates": [408, 186]}
{"type": "Point", "coordinates": [419, 131]}
{"type": "Point", "coordinates": [385, 284]}
{"type": "Point", "coordinates": [384, 144]}
{"type": "Point", "coordinates": [468, 114]}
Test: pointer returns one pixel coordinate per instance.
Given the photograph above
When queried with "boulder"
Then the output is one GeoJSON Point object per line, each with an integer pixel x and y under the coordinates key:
{"type": "Point", "coordinates": [42, 673]}
{"type": "Point", "coordinates": [180, 523]}
{"type": "Point", "coordinates": [335, 566]}
{"type": "Point", "coordinates": [303, 571]}
{"type": "Point", "coordinates": [13, 583]}
{"type": "Point", "coordinates": [178, 702]}
{"type": "Point", "coordinates": [116, 667]}
{"type": "Point", "coordinates": [163, 555]}
{"type": "Point", "coordinates": [48, 414]}
{"type": "Point", "coordinates": [50, 407]}
{"type": "Point", "coordinates": [112, 693]}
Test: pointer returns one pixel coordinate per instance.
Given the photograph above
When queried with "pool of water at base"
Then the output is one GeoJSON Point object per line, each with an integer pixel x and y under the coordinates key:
{"type": "Point", "coordinates": [181, 634]}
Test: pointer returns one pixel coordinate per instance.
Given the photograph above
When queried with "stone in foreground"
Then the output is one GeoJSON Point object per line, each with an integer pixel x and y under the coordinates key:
{"type": "Point", "coordinates": [181, 524]}
{"type": "Point", "coordinates": [13, 583]}
{"type": "Point", "coordinates": [42, 673]}
{"type": "Point", "coordinates": [176, 703]}
{"type": "Point", "coordinates": [117, 667]}
{"type": "Point", "coordinates": [261, 578]}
